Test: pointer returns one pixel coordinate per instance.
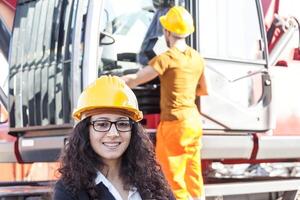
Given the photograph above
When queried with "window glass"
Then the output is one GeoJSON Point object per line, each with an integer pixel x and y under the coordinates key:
{"type": "Point", "coordinates": [230, 29]}
{"type": "Point", "coordinates": [127, 26]}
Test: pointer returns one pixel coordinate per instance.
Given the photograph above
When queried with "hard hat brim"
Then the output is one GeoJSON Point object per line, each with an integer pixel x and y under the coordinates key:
{"type": "Point", "coordinates": [83, 113]}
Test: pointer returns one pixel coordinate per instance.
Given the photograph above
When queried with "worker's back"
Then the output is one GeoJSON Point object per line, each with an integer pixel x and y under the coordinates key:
{"type": "Point", "coordinates": [179, 75]}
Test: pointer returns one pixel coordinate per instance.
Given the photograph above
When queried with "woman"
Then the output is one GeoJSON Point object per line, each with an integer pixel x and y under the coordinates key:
{"type": "Point", "coordinates": [108, 155]}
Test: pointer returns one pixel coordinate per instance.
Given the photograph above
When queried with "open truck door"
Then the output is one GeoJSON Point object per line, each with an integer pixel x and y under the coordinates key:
{"type": "Point", "coordinates": [230, 35]}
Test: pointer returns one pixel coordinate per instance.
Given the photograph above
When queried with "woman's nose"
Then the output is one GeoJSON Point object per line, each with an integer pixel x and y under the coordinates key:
{"type": "Point", "coordinates": [113, 132]}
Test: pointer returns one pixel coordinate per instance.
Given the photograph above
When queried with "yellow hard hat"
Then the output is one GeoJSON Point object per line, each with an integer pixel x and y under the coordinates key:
{"type": "Point", "coordinates": [107, 93]}
{"type": "Point", "coordinates": [178, 20]}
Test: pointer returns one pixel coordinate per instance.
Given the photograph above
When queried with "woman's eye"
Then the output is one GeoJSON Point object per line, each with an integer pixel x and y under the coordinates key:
{"type": "Point", "coordinates": [102, 124]}
{"type": "Point", "coordinates": [123, 124]}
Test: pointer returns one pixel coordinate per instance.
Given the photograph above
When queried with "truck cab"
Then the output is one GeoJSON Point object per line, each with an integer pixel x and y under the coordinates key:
{"type": "Point", "coordinates": [58, 47]}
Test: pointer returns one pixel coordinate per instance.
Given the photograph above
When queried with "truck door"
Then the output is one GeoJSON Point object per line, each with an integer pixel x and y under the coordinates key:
{"type": "Point", "coordinates": [230, 35]}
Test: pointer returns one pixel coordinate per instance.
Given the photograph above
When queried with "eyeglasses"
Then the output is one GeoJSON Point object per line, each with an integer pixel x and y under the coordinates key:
{"type": "Point", "coordinates": [105, 125]}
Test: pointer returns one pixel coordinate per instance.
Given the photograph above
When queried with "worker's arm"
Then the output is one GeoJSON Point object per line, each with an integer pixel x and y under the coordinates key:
{"type": "Point", "coordinates": [142, 76]}
{"type": "Point", "coordinates": [203, 86]}
{"type": "Point", "coordinates": [201, 90]}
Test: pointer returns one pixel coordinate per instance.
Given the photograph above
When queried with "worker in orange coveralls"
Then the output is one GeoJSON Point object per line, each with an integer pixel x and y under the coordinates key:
{"type": "Point", "coordinates": [181, 73]}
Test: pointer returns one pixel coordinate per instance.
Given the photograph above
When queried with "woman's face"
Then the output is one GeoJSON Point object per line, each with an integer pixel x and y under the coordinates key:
{"type": "Point", "coordinates": [105, 138]}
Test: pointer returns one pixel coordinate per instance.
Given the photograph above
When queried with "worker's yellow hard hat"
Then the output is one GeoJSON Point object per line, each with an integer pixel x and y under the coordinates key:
{"type": "Point", "coordinates": [107, 94]}
{"type": "Point", "coordinates": [178, 20]}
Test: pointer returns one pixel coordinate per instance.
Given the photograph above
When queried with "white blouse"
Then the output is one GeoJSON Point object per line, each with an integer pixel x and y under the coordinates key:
{"type": "Point", "coordinates": [133, 193]}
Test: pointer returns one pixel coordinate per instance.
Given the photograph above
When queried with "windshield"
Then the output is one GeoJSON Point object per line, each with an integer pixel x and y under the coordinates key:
{"type": "Point", "coordinates": [230, 30]}
{"type": "Point", "coordinates": [128, 26]}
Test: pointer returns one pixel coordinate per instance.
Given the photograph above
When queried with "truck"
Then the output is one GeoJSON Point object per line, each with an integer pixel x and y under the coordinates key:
{"type": "Point", "coordinates": [251, 116]}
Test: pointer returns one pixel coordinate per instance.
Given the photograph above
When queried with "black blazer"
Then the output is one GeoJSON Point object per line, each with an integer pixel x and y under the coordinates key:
{"type": "Point", "coordinates": [61, 193]}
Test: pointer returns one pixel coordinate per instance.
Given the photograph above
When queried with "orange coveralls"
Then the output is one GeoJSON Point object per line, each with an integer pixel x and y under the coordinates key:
{"type": "Point", "coordinates": [179, 133]}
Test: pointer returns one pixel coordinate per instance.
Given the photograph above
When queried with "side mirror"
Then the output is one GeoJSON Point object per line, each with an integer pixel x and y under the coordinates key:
{"type": "Point", "coordinates": [106, 38]}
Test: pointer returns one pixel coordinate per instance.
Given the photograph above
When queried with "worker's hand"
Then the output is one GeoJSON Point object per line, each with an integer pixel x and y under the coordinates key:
{"type": "Point", "coordinates": [128, 78]}
{"type": "Point", "coordinates": [125, 78]}
{"type": "Point", "coordinates": [142, 76]}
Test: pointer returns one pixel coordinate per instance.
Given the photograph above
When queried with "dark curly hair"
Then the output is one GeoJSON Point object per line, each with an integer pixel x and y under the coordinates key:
{"type": "Point", "coordinates": [139, 167]}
